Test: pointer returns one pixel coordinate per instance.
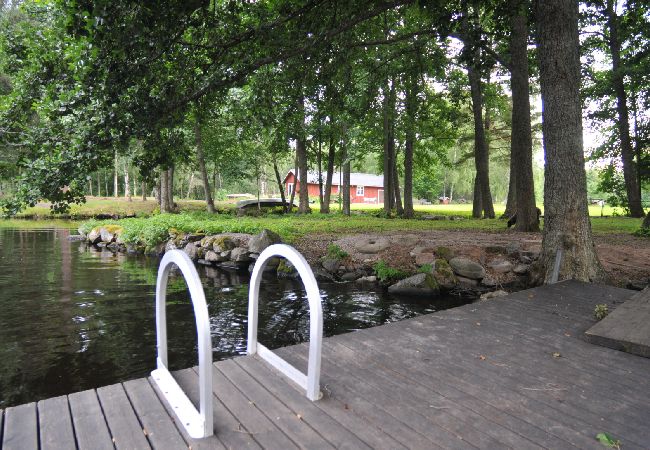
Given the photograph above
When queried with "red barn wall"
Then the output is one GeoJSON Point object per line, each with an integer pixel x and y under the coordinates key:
{"type": "Point", "coordinates": [370, 196]}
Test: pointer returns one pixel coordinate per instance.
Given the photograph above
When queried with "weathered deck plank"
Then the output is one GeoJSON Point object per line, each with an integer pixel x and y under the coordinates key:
{"type": "Point", "coordinates": [125, 428]}
{"type": "Point", "coordinates": [89, 422]}
{"type": "Point", "coordinates": [335, 431]}
{"type": "Point", "coordinates": [55, 424]}
{"type": "Point", "coordinates": [248, 414]}
{"type": "Point", "coordinates": [160, 428]}
{"type": "Point", "coordinates": [627, 328]}
{"type": "Point", "coordinates": [507, 373]}
{"type": "Point", "coordinates": [21, 428]}
{"type": "Point", "coordinates": [276, 411]}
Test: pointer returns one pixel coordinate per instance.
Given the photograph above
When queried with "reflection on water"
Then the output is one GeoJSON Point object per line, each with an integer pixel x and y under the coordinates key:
{"type": "Point", "coordinates": [72, 318]}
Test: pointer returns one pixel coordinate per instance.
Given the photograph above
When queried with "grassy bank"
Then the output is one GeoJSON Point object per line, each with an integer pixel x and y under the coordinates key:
{"type": "Point", "coordinates": [155, 229]}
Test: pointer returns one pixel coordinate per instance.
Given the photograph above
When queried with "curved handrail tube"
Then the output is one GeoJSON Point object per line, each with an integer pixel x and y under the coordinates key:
{"type": "Point", "coordinates": [198, 424]}
{"type": "Point", "coordinates": [311, 382]}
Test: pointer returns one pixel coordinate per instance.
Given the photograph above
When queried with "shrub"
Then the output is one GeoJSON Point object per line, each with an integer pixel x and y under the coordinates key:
{"type": "Point", "coordinates": [642, 232]}
{"type": "Point", "coordinates": [336, 252]}
{"type": "Point", "coordinates": [426, 268]}
{"type": "Point", "coordinates": [387, 274]}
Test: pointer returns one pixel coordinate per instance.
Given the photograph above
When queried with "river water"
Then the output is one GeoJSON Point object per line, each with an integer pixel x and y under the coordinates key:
{"type": "Point", "coordinates": [73, 318]}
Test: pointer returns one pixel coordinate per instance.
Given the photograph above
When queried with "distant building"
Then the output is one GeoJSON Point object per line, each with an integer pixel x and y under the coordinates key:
{"type": "Point", "coordinates": [364, 187]}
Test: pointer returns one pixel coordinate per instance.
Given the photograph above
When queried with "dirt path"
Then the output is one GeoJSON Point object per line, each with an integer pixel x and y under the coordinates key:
{"type": "Point", "coordinates": [625, 257]}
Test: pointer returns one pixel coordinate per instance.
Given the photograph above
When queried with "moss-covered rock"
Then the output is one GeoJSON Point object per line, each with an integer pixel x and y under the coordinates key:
{"type": "Point", "coordinates": [445, 253]}
{"type": "Point", "coordinates": [444, 275]}
{"type": "Point", "coordinates": [223, 243]}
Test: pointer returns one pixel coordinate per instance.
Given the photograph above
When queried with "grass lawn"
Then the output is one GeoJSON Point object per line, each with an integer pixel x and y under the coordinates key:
{"type": "Point", "coordinates": [150, 228]}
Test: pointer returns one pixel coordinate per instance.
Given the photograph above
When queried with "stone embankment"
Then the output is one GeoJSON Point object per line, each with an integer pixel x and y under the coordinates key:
{"type": "Point", "coordinates": [429, 272]}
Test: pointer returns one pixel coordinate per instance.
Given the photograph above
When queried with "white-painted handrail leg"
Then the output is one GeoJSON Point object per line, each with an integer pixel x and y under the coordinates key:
{"type": "Point", "coordinates": [311, 381]}
{"type": "Point", "coordinates": [199, 423]}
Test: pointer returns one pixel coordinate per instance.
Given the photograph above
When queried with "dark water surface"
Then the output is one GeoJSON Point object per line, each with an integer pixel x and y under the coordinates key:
{"type": "Point", "coordinates": [72, 318]}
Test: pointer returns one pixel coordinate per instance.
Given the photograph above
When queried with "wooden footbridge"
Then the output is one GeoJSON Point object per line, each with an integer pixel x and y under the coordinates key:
{"type": "Point", "coordinates": [514, 372]}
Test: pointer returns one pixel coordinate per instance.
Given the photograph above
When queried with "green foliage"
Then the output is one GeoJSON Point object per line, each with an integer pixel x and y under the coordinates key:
{"type": "Point", "coordinates": [608, 441]}
{"type": "Point", "coordinates": [601, 311]}
{"type": "Point", "coordinates": [336, 252]}
{"type": "Point", "coordinates": [387, 274]}
{"type": "Point", "coordinates": [642, 232]}
{"type": "Point", "coordinates": [425, 268]}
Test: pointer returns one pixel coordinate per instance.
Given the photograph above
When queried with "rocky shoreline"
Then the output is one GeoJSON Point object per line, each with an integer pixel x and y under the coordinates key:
{"type": "Point", "coordinates": [429, 271]}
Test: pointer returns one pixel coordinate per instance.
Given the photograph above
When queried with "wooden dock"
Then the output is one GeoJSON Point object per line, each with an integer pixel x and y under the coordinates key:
{"type": "Point", "coordinates": [513, 372]}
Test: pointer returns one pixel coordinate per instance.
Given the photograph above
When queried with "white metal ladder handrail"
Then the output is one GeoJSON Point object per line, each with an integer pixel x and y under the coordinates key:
{"type": "Point", "coordinates": [311, 381]}
{"type": "Point", "coordinates": [197, 423]}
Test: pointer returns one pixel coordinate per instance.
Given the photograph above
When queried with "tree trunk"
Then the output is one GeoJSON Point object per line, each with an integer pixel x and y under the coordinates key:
{"type": "Point", "coordinates": [320, 171]}
{"type": "Point", "coordinates": [301, 154]}
{"type": "Point", "coordinates": [295, 183]}
{"type": "Point", "coordinates": [481, 152]}
{"type": "Point", "coordinates": [389, 143]}
{"type": "Point", "coordinates": [198, 139]}
{"type": "Point", "coordinates": [163, 198]}
{"type": "Point", "coordinates": [566, 226]}
{"type": "Point", "coordinates": [411, 105]}
{"type": "Point", "coordinates": [346, 171]}
{"type": "Point", "coordinates": [331, 155]}
{"type": "Point", "coordinates": [143, 186]}
{"type": "Point", "coordinates": [127, 186]}
{"type": "Point", "coordinates": [521, 141]}
{"type": "Point", "coordinates": [627, 153]}
{"type": "Point", "coordinates": [170, 188]}
{"type": "Point", "coordinates": [511, 202]}
{"type": "Point", "coordinates": [90, 186]}
{"type": "Point", "coordinates": [477, 202]}
{"type": "Point", "coordinates": [99, 185]}
{"type": "Point", "coordinates": [278, 179]}
{"type": "Point", "coordinates": [115, 170]}
{"type": "Point", "coordinates": [398, 196]}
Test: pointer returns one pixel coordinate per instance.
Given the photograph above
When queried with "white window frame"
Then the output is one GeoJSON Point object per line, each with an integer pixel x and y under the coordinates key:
{"type": "Point", "coordinates": [361, 191]}
{"type": "Point", "coordinates": [289, 188]}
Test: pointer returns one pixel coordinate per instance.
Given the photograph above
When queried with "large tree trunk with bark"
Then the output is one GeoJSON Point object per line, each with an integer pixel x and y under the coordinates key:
{"type": "Point", "coordinates": [301, 154]}
{"type": "Point", "coordinates": [200, 156]}
{"type": "Point", "coordinates": [481, 151]}
{"type": "Point", "coordinates": [163, 198]}
{"type": "Point", "coordinates": [346, 171]}
{"type": "Point", "coordinates": [511, 201]}
{"type": "Point", "coordinates": [521, 141]}
{"type": "Point", "coordinates": [398, 196]}
{"type": "Point", "coordinates": [567, 229]}
{"type": "Point", "coordinates": [627, 153]}
{"type": "Point", "coordinates": [477, 201]}
{"type": "Point", "coordinates": [331, 154]}
{"type": "Point", "coordinates": [389, 147]}
{"type": "Point", "coordinates": [411, 105]}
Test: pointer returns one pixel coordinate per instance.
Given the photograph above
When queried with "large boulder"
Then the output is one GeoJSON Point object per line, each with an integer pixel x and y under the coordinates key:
{"type": "Point", "coordinates": [240, 255]}
{"type": "Point", "coordinates": [258, 243]}
{"type": "Point", "coordinates": [371, 245]}
{"type": "Point", "coordinates": [213, 257]}
{"type": "Point", "coordinates": [94, 237]}
{"type": "Point", "coordinates": [467, 268]}
{"type": "Point", "coordinates": [421, 284]}
{"type": "Point", "coordinates": [223, 244]}
{"type": "Point", "coordinates": [191, 250]}
{"type": "Point", "coordinates": [444, 275]}
{"type": "Point", "coordinates": [331, 264]}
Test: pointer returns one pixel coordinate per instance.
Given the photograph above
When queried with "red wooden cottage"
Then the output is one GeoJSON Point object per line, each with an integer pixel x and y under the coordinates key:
{"type": "Point", "coordinates": [364, 187]}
